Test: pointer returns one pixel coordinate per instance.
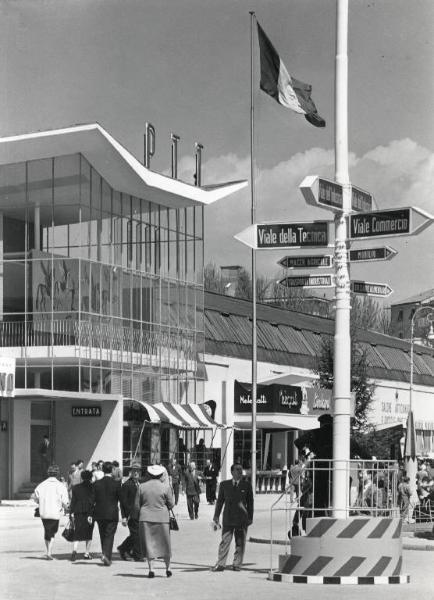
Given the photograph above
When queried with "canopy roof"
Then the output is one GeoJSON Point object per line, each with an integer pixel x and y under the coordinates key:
{"type": "Point", "coordinates": [115, 164]}
{"type": "Point", "coordinates": [184, 416]}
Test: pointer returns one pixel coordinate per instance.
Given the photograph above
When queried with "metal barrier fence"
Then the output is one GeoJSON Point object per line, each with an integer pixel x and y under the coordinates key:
{"type": "Point", "coordinates": [372, 491]}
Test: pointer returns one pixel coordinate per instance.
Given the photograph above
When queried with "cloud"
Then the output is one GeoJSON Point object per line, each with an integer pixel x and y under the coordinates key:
{"type": "Point", "coordinates": [397, 174]}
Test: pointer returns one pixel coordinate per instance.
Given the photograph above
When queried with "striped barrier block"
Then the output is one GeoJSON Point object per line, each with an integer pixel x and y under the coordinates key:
{"type": "Point", "coordinates": [338, 580]}
{"type": "Point", "coordinates": [354, 547]}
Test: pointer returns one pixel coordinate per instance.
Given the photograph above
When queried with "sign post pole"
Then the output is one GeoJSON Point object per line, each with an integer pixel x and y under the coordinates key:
{"type": "Point", "coordinates": [342, 341]}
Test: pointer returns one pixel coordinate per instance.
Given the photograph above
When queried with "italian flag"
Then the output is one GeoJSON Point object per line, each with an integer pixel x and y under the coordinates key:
{"type": "Point", "coordinates": [278, 83]}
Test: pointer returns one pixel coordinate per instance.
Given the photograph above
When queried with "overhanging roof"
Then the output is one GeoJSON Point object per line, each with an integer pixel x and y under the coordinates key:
{"type": "Point", "coordinates": [277, 421]}
{"type": "Point", "coordinates": [114, 163]}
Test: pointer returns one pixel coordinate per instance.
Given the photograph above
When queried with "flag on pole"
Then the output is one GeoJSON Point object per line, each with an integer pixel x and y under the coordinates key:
{"type": "Point", "coordinates": [278, 83]}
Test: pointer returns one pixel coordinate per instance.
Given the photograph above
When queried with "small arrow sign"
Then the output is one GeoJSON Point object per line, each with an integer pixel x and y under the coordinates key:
{"type": "Point", "coordinates": [307, 281]}
{"type": "Point", "coordinates": [270, 236]}
{"type": "Point", "coordinates": [306, 262]}
{"type": "Point", "coordinates": [318, 191]}
{"type": "Point", "coordinates": [389, 223]}
{"type": "Point", "coordinates": [371, 254]}
{"type": "Point", "coordinates": [367, 288]}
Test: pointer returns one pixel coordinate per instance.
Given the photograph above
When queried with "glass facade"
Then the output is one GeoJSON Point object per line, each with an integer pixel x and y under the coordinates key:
{"type": "Point", "coordinates": [100, 290]}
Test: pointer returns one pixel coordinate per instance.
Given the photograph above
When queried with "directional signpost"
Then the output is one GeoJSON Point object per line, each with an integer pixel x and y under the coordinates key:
{"type": "Point", "coordinates": [371, 289]}
{"type": "Point", "coordinates": [328, 194]}
{"type": "Point", "coordinates": [389, 223]}
{"type": "Point", "coordinates": [270, 236]}
{"type": "Point", "coordinates": [306, 262]}
{"type": "Point", "coordinates": [371, 254]}
{"type": "Point", "coordinates": [307, 281]}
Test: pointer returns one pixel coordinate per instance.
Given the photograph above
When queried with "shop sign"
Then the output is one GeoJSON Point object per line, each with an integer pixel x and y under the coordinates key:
{"type": "Point", "coordinates": [319, 400]}
{"type": "Point", "coordinates": [7, 377]}
{"type": "Point", "coordinates": [269, 398]}
{"type": "Point", "coordinates": [86, 411]}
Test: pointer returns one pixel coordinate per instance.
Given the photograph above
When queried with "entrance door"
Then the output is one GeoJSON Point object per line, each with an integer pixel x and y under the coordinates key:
{"type": "Point", "coordinates": [37, 433]}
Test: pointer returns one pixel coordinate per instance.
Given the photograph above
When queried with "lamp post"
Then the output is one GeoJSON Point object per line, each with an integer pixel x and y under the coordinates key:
{"type": "Point", "coordinates": [410, 437]}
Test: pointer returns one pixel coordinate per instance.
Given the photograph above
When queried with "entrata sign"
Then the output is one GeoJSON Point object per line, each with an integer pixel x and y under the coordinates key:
{"type": "Point", "coordinates": [306, 262]}
{"type": "Point", "coordinates": [307, 281]}
{"type": "Point", "coordinates": [270, 236]}
{"type": "Point", "coordinates": [371, 289]}
{"type": "Point", "coordinates": [371, 254]}
{"type": "Point", "coordinates": [386, 223]}
{"type": "Point", "coordinates": [329, 194]}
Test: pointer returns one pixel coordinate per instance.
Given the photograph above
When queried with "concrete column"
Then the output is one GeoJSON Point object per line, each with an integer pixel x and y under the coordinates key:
{"type": "Point", "coordinates": [37, 227]}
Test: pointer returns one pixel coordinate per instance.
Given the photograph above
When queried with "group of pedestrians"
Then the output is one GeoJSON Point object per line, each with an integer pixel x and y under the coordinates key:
{"type": "Point", "coordinates": [144, 505]}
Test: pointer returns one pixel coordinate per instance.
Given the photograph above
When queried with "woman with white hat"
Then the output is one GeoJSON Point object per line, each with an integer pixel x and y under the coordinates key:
{"type": "Point", "coordinates": [155, 500]}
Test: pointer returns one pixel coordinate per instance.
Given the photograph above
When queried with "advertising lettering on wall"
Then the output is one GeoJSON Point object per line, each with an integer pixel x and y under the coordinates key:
{"type": "Point", "coordinates": [7, 377]}
{"type": "Point", "coordinates": [269, 398]}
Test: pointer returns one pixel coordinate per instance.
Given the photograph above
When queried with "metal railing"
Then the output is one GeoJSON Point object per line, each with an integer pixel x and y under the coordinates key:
{"type": "Point", "coordinates": [151, 340]}
{"type": "Point", "coordinates": [372, 491]}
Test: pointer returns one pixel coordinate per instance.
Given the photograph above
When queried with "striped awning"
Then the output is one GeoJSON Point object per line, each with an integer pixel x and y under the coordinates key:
{"type": "Point", "coordinates": [184, 416]}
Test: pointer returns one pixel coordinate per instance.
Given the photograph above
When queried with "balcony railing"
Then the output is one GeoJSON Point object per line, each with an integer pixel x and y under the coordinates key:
{"type": "Point", "coordinates": [153, 340]}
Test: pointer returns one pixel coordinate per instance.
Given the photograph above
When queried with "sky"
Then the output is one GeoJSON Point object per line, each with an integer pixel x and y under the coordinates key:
{"type": "Point", "coordinates": [184, 66]}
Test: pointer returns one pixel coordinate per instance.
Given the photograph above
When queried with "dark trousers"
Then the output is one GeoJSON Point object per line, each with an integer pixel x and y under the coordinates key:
{"type": "Point", "coordinates": [193, 506]}
{"type": "Point", "coordinates": [240, 535]}
{"type": "Point", "coordinates": [107, 530]}
{"type": "Point", "coordinates": [175, 487]}
{"type": "Point", "coordinates": [211, 487]}
{"type": "Point", "coordinates": [131, 544]}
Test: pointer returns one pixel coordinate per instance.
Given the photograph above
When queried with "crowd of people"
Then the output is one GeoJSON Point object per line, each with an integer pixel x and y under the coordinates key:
{"type": "Point", "coordinates": [144, 501]}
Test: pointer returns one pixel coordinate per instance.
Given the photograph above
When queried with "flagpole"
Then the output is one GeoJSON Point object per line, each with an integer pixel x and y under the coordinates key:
{"type": "Point", "coordinates": [253, 219]}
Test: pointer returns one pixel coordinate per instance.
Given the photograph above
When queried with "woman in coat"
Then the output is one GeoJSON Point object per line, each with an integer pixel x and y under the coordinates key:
{"type": "Point", "coordinates": [155, 498]}
{"type": "Point", "coordinates": [81, 508]}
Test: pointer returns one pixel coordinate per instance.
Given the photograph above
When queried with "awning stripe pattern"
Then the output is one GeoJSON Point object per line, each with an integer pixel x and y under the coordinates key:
{"type": "Point", "coordinates": [184, 416]}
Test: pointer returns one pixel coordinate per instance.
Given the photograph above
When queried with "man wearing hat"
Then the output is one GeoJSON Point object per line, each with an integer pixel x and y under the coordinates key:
{"type": "Point", "coordinates": [52, 496]}
{"type": "Point", "coordinates": [130, 547]}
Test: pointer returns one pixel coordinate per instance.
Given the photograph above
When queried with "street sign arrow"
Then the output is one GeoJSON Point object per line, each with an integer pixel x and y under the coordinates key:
{"type": "Point", "coordinates": [389, 223]}
{"type": "Point", "coordinates": [367, 288]}
{"type": "Point", "coordinates": [270, 236]}
{"type": "Point", "coordinates": [371, 254]}
{"type": "Point", "coordinates": [321, 192]}
{"type": "Point", "coordinates": [306, 262]}
{"type": "Point", "coordinates": [307, 281]}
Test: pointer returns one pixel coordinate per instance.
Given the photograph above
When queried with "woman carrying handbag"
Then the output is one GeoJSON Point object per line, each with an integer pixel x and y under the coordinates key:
{"type": "Point", "coordinates": [81, 510]}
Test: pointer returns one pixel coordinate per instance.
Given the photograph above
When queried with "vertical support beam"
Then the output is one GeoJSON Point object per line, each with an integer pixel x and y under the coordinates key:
{"type": "Point", "coordinates": [37, 227]}
{"type": "Point", "coordinates": [342, 345]}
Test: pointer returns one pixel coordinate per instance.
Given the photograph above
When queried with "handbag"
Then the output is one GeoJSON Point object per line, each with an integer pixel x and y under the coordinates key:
{"type": "Point", "coordinates": [36, 513]}
{"type": "Point", "coordinates": [68, 532]}
{"type": "Point", "coordinates": [173, 523]}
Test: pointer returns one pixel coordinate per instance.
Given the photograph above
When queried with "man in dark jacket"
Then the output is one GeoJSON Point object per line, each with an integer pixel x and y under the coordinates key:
{"type": "Point", "coordinates": [107, 498]}
{"type": "Point", "coordinates": [192, 490]}
{"type": "Point", "coordinates": [130, 516]}
{"type": "Point", "coordinates": [236, 495]}
{"type": "Point", "coordinates": [210, 474]}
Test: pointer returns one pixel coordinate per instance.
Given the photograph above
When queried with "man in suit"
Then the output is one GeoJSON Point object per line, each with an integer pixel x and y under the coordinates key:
{"type": "Point", "coordinates": [130, 547]}
{"type": "Point", "coordinates": [236, 495]}
{"type": "Point", "coordinates": [192, 491]}
{"type": "Point", "coordinates": [210, 473]}
{"type": "Point", "coordinates": [107, 498]}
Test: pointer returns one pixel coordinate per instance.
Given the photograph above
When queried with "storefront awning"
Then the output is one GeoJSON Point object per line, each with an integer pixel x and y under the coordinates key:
{"type": "Point", "coordinates": [277, 421]}
{"type": "Point", "coordinates": [184, 416]}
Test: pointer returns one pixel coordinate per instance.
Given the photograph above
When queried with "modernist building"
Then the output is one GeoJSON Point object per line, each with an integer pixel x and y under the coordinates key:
{"type": "Point", "coordinates": [288, 399]}
{"type": "Point", "coordinates": [101, 302]}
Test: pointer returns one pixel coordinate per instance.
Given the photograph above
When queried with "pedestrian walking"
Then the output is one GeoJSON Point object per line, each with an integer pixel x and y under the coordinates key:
{"type": "Point", "coordinates": [210, 474]}
{"type": "Point", "coordinates": [52, 497]}
{"type": "Point", "coordinates": [130, 547]}
{"type": "Point", "coordinates": [82, 512]}
{"type": "Point", "coordinates": [117, 472]}
{"type": "Point", "coordinates": [107, 498]}
{"type": "Point", "coordinates": [155, 499]}
{"type": "Point", "coordinates": [192, 490]}
{"type": "Point", "coordinates": [236, 495]}
{"type": "Point", "coordinates": [175, 473]}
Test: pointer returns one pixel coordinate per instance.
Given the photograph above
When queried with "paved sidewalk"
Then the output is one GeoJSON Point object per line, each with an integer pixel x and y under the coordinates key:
{"type": "Point", "coordinates": [24, 571]}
